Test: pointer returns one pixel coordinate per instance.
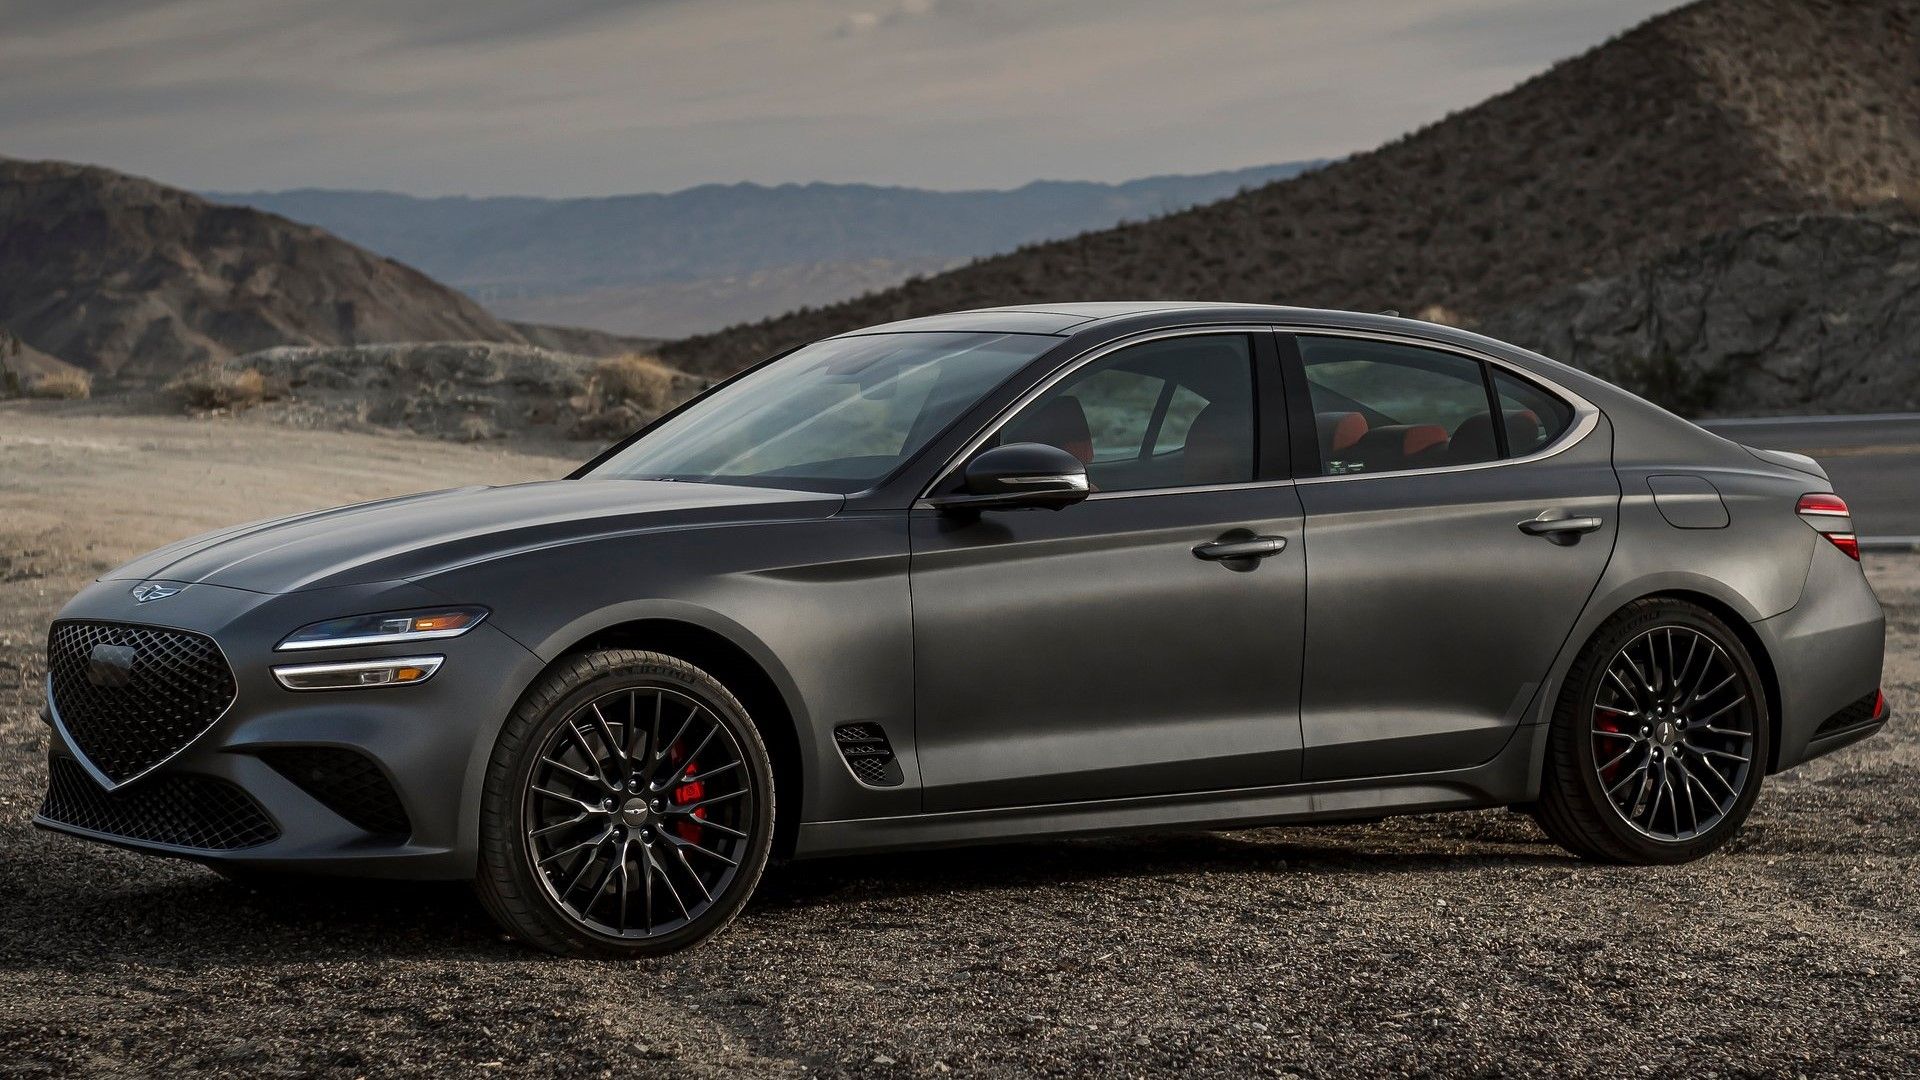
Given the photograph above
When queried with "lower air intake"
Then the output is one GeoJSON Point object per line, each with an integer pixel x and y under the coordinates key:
{"type": "Point", "coordinates": [181, 810]}
{"type": "Point", "coordinates": [347, 783]}
{"type": "Point", "coordinates": [1852, 716]}
{"type": "Point", "coordinates": [868, 753]}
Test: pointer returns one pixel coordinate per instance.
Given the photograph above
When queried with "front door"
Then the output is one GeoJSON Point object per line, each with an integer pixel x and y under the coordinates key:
{"type": "Point", "coordinates": [1102, 651]}
{"type": "Point", "coordinates": [1433, 616]}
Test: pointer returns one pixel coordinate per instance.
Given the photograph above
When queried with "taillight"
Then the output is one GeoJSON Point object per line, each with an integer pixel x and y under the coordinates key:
{"type": "Point", "coordinates": [1829, 516]}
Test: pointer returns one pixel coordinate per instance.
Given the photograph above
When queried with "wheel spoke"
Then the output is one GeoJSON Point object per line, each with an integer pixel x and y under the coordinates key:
{"type": "Point", "coordinates": [1638, 772]}
{"type": "Point", "coordinates": [591, 808]}
{"type": "Point", "coordinates": [687, 809]}
{"type": "Point", "coordinates": [686, 763]}
{"type": "Point", "coordinates": [672, 890]}
{"type": "Point", "coordinates": [681, 857]}
{"type": "Point", "coordinates": [688, 845]}
{"type": "Point", "coordinates": [566, 768]}
{"type": "Point", "coordinates": [1632, 691]}
{"type": "Point", "coordinates": [1686, 785]}
{"type": "Point", "coordinates": [546, 830]}
{"type": "Point", "coordinates": [605, 731]}
{"type": "Point", "coordinates": [1624, 754]}
{"type": "Point", "coordinates": [1707, 720]}
{"type": "Point", "coordinates": [1708, 767]}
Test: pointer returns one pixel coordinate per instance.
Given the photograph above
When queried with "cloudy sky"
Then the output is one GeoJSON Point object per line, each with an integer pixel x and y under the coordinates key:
{"type": "Point", "coordinates": [568, 97]}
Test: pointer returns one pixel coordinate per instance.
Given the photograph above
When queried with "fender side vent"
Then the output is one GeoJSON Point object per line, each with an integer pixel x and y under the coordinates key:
{"type": "Point", "coordinates": [868, 754]}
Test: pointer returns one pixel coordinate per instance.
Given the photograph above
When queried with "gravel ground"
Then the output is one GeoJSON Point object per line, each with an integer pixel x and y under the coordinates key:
{"type": "Point", "coordinates": [1444, 945]}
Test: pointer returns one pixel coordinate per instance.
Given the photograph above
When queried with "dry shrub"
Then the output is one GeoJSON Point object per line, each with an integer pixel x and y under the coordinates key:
{"type": "Point", "coordinates": [640, 381]}
{"type": "Point", "coordinates": [216, 386]}
{"type": "Point", "coordinates": [61, 386]}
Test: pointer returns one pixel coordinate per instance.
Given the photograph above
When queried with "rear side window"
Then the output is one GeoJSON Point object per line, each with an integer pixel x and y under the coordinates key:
{"type": "Point", "coordinates": [1386, 407]}
{"type": "Point", "coordinates": [1534, 417]}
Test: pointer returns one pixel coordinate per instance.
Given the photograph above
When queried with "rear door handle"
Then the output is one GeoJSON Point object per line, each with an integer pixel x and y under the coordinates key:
{"type": "Point", "coordinates": [1559, 528]}
{"type": "Point", "coordinates": [1257, 548]}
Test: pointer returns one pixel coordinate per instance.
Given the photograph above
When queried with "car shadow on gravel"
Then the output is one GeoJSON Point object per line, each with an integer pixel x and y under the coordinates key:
{"type": "Point", "coordinates": [187, 916]}
{"type": "Point", "coordinates": [105, 908]}
{"type": "Point", "coordinates": [1376, 849]}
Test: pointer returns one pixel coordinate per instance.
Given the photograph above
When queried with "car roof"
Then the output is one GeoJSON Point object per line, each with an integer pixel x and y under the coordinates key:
{"type": "Point", "coordinates": [1067, 319]}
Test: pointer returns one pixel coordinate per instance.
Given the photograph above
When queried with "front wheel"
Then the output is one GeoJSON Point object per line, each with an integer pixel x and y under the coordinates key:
{"type": "Point", "coordinates": [628, 808]}
{"type": "Point", "coordinates": [1659, 739]}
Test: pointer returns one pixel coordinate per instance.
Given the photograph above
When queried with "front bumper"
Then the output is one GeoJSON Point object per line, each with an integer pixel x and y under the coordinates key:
{"type": "Point", "coordinates": [428, 743]}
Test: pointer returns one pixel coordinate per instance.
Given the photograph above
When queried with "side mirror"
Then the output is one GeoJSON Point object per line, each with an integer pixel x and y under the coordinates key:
{"type": "Point", "coordinates": [1019, 476]}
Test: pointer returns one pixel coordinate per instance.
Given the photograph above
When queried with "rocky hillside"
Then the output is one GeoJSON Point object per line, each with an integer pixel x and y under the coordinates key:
{"type": "Point", "coordinates": [1806, 314]}
{"type": "Point", "coordinates": [470, 390]}
{"type": "Point", "coordinates": [1703, 121]}
{"type": "Point", "coordinates": [135, 280]}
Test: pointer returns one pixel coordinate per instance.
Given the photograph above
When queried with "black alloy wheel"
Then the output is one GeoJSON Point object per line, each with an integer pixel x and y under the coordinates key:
{"type": "Point", "coordinates": [1660, 738]}
{"type": "Point", "coordinates": [633, 809]}
{"type": "Point", "coordinates": [1673, 733]}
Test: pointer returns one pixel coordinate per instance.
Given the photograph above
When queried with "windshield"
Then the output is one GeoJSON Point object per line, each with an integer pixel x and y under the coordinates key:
{"type": "Point", "coordinates": [837, 415]}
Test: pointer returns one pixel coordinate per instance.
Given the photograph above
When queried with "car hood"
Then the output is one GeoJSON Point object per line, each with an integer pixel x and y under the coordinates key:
{"type": "Point", "coordinates": [417, 535]}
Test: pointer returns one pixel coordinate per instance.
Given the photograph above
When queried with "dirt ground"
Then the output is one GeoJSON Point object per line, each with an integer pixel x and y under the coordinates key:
{"type": "Point", "coordinates": [1458, 944]}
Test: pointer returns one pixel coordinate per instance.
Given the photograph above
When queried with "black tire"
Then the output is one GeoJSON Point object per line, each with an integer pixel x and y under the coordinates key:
{"type": "Point", "coordinates": [528, 901]}
{"type": "Point", "coordinates": [1585, 814]}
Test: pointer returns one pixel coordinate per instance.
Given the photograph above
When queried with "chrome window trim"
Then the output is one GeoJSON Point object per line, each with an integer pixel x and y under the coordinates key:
{"type": "Point", "coordinates": [1585, 419]}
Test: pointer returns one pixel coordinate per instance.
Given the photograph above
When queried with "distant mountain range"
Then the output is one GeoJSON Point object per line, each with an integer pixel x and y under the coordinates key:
{"type": "Point", "coordinates": [1699, 124]}
{"type": "Point", "coordinates": [695, 260]}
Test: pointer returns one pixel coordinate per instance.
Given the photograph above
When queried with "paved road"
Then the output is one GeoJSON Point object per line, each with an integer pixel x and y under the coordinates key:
{"type": "Point", "coordinates": [1874, 462]}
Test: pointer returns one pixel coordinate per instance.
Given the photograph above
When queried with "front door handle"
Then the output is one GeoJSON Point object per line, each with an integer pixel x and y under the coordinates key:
{"type": "Point", "coordinates": [1556, 526]}
{"type": "Point", "coordinates": [1258, 547]}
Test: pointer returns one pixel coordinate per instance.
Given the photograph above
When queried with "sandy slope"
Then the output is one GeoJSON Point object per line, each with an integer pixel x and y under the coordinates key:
{"type": "Point", "coordinates": [1451, 944]}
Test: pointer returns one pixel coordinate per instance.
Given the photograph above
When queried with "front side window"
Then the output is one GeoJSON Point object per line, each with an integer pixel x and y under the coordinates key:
{"type": "Point", "coordinates": [837, 415]}
{"type": "Point", "coordinates": [1173, 413]}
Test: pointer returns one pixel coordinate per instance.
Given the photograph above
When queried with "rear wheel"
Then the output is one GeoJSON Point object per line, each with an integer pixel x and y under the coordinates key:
{"type": "Point", "coordinates": [628, 808]}
{"type": "Point", "coordinates": [1659, 740]}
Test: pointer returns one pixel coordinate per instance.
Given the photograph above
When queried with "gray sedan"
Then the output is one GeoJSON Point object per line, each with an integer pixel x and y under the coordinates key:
{"type": "Point", "coordinates": [1023, 572]}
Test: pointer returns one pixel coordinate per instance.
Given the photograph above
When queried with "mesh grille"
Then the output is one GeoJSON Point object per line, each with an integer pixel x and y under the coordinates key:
{"type": "Point", "coordinates": [349, 783]}
{"type": "Point", "coordinates": [1857, 713]}
{"type": "Point", "coordinates": [868, 754]}
{"type": "Point", "coordinates": [133, 696]}
{"type": "Point", "coordinates": [178, 808]}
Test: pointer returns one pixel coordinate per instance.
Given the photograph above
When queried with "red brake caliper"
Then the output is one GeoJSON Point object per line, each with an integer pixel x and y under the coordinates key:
{"type": "Point", "coordinates": [690, 792]}
{"type": "Point", "coordinates": [1609, 723]}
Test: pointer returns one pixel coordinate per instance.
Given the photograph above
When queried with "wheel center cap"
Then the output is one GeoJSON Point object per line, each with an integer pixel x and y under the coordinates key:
{"type": "Point", "coordinates": [1664, 733]}
{"type": "Point", "coordinates": [635, 812]}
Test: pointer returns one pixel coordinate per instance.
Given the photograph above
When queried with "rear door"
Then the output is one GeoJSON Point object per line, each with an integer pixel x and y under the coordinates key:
{"type": "Point", "coordinates": [1451, 543]}
{"type": "Point", "coordinates": [1098, 651]}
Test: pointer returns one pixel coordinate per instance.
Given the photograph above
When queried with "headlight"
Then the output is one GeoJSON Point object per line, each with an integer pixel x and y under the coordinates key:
{"type": "Point", "coordinates": [385, 629]}
{"type": "Point", "coordinates": [358, 674]}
